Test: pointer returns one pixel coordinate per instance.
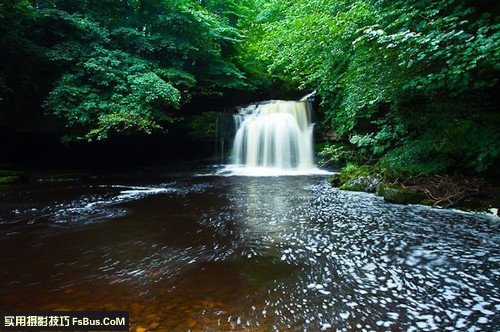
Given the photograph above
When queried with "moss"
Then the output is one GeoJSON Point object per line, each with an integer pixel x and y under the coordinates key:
{"type": "Point", "coordinates": [352, 171]}
{"type": "Point", "coordinates": [428, 202]}
{"type": "Point", "coordinates": [400, 195]}
{"type": "Point", "coordinates": [355, 187]}
{"type": "Point", "coordinates": [367, 183]}
{"type": "Point", "coordinates": [356, 178]}
{"type": "Point", "coordinates": [9, 179]}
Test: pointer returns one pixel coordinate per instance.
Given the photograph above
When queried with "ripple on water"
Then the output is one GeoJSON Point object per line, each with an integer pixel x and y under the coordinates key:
{"type": "Point", "coordinates": [270, 253]}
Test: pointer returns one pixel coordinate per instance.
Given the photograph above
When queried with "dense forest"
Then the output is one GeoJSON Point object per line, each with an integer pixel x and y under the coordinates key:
{"type": "Point", "coordinates": [409, 83]}
{"type": "Point", "coordinates": [407, 86]}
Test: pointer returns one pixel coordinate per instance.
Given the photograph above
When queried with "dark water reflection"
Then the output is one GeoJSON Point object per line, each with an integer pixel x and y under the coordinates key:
{"type": "Point", "coordinates": [236, 253]}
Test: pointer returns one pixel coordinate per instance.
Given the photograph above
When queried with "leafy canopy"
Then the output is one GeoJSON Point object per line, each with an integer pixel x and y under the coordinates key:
{"type": "Point", "coordinates": [128, 66]}
{"type": "Point", "coordinates": [406, 82]}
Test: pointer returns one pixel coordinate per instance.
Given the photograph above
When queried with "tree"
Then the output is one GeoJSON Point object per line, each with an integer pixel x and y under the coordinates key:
{"type": "Point", "coordinates": [408, 83]}
{"type": "Point", "coordinates": [129, 67]}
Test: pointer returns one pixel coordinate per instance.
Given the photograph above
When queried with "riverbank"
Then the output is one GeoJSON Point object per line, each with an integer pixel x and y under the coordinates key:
{"type": "Point", "coordinates": [12, 176]}
{"type": "Point", "coordinates": [460, 192]}
{"type": "Point", "coordinates": [443, 191]}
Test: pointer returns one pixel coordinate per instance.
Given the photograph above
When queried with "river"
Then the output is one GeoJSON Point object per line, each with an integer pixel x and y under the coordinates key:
{"type": "Point", "coordinates": [247, 253]}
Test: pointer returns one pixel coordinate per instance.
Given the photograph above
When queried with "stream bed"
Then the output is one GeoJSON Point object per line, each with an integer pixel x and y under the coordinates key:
{"type": "Point", "coordinates": [247, 253]}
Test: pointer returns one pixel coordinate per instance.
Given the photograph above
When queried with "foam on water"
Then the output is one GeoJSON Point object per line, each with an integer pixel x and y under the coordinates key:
{"type": "Point", "coordinates": [238, 170]}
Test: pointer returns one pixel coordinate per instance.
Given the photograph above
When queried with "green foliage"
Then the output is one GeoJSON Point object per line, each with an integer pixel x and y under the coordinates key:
{"type": "Point", "coordinates": [341, 153]}
{"type": "Point", "coordinates": [127, 67]}
{"type": "Point", "coordinates": [351, 171]}
{"type": "Point", "coordinates": [112, 91]}
{"type": "Point", "coordinates": [459, 144]}
{"type": "Point", "coordinates": [415, 157]}
{"type": "Point", "coordinates": [409, 82]}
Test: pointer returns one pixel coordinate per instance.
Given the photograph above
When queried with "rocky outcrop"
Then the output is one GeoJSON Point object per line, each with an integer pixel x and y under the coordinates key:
{"type": "Point", "coordinates": [367, 183]}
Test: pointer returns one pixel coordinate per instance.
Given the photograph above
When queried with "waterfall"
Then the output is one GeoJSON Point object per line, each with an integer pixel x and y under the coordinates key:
{"type": "Point", "coordinates": [277, 134]}
{"type": "Point", "coordinates": [273, 138]}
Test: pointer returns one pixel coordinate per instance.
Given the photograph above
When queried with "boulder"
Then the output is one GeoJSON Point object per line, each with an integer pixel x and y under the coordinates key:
{"type": "Point", "coordinates": [397, 194]}
{"type": "Point", "coordinates": [367, 183]}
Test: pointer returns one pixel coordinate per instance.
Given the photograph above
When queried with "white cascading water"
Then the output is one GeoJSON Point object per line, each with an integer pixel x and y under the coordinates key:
{"type": "Point", "coordinates": [278, 134]}
{"type": "Point", "coordinates": [273, 138]}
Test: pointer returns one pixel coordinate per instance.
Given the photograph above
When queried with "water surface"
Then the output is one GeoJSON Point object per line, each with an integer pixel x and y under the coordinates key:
{"type": "Point", "coordinates": [247, 253]}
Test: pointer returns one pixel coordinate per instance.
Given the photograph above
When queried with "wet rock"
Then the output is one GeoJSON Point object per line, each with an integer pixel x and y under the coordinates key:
{"type": "Point", "coordinates": [357, 178]}
{"type": "Point", "coordinates": [367, 183]}
{"type": "Point", "coordinates": [397, 194]}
